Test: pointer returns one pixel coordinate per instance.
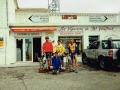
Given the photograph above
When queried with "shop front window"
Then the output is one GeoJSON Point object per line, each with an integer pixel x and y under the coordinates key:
{"type": "Point", "coordinates": [66, 41]}
{"type": "Point", "coordinates": [92, 39]}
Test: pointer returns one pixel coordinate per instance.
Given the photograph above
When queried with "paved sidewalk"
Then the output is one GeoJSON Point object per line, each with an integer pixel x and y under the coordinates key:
{"type": "Point", "coordinates": [28, 78]}
{"type": "Point", "coordinates": [21, 64]}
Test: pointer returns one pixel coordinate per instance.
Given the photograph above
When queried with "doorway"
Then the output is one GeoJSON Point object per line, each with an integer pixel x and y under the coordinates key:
{"type": "Point", "coordinates": [36, 49]}
{"type": "Point", "coordinates": [19, 49]}
{"type": "Point", "coordinates": [28, 49]}
{"type": "Point", "coordinates": [24, 49]}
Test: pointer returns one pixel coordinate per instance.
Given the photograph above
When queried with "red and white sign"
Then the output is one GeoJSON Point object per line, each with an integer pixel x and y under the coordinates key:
{"type": "Point", "coordinates": [69, 16]}
{"type": "Point", "coordinates": [33, 29]}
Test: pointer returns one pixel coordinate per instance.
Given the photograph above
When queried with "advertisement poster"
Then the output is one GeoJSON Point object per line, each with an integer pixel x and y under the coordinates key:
{"type": "Point", "coordinates": [50, 34]}
{"type": "Point", "coordinates": [1, 42]}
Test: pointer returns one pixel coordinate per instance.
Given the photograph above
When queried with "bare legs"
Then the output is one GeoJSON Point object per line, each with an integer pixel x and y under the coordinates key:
{"type": "Point", "coordinates": [49, 62]}
{"type": "Point", "coordinates": [62, 63]}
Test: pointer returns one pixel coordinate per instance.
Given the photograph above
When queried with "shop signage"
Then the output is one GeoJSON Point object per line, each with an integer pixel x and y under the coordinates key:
{"type": "Point", "coordinates": [112, 36]}
{"type": "Point", "coordinates": [65, 38]}
{"type": "Point", "coordinates": [69, 16]}
{"type": "Point", "coordinates": [78, 40]}
{"type": "Point", "coordinates": [70, 33]}
{"type": "Point", "coordinates": [1, 50]}
{"type": "Point", "coordinates": [50, 34]}
{"type": "Point", "coordinates": [39, 18]}
{"type": "Point", "coordinates": [97, 18]}
{"type": "Point", "coordinates": [1, 42]}
{"type": "Point", "coordinates": [27, 34]}
{"type": "Point", "coordinates": [81, 29]}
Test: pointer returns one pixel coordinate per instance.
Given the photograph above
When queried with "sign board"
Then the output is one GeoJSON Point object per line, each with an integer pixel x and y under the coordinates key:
{"type": "Point", "coordinates": [70, 33]}
{"type": "Point", "coordinates": [97, 18]}
{"type": "Point", "coordinates": [78, 40]}
{"type": "Point", "coordinates": [27, 34]}
{"type": "Point", "coordinates": [1, 50]}
{"type": "Point", "coordinates": [69, 16]}
{"type": "Point", "coordinates": [1, 42]}
{"type": "Point", "coordinates": [50, 34]}
{"type": "Point", "coordinates": [39, 18]}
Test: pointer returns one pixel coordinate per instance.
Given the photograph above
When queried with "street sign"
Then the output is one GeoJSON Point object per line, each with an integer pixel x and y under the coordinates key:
{"type": "Point", "coordinates": [39, 18]}
{"type": "Point", "coordinates": [97, 18]}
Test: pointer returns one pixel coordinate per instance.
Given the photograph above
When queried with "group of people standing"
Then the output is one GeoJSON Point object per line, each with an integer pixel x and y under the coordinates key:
{"type": "Point", "coordinates": [57, 61]}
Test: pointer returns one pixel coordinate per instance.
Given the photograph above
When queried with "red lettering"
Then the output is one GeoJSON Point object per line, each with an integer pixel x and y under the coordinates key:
{"type": "Point", "coordinates": [72, 28]}
{"type": "Point", "coordinates": [106, 28]}
{"type": "Point", "coordinates": [62, 29]}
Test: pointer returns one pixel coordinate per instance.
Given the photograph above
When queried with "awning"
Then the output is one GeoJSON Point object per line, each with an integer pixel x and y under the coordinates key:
{"type": "Point", "coordinates": [33, 29]}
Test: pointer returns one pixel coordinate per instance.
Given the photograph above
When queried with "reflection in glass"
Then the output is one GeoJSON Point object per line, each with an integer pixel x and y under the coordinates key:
{"type": "Point", "coordinates": [28, 49]}
{"type": "Point", "coordinates": [19, 49]}
{"type": "Point", "coordinates": [66, 41]}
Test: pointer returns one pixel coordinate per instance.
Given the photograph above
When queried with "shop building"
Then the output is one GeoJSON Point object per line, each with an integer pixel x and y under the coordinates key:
{"type": "Point", "coordinates": [24, 30]}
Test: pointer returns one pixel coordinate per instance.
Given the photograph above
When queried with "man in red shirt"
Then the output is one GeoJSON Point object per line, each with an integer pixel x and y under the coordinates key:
{"type": "Point", "coordinates": [47, 49]}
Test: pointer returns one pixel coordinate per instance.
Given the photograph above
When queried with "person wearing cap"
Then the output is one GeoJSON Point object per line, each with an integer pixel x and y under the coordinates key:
{"type": "Point", "coordinates": [73, 49]}
{"type": "Point", "coordinates": [47, 49]}
{"type": "Point", "coordinates": [59, 48]}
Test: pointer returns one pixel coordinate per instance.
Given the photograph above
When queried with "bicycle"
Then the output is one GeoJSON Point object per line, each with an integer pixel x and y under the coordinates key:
{"type": "Point", "coordinates": [68, 63]}
{"type": "Point", "coordinates": [43, 64]}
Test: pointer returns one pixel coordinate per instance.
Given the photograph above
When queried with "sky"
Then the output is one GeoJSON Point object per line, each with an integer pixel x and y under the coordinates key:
{"type": "Point", "coordinates": [76, 6]}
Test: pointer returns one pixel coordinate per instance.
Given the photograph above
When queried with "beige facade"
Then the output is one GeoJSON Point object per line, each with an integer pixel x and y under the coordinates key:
{"type": "Point", "coordinates": [22, 29]}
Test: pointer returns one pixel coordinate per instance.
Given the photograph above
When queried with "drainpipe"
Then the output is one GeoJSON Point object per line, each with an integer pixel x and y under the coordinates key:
{"type": "Point", "coordinates": [5, 30]}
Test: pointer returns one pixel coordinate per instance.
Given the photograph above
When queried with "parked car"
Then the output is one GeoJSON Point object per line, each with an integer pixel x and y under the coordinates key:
{"type": "Point", "coordinates": [106, 53]}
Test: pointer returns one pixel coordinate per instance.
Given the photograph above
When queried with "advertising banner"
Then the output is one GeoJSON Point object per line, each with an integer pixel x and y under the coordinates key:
{"type": "Point", "coordinates": [1, 42]}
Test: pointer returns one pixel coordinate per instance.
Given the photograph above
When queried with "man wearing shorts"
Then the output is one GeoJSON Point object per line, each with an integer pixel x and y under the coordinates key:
{"type": "Point", "coordinates": [73, 49]}
{"type": "Point", "coordinates": [47, 49]}
{"type": "Point", "coordinates": [59, 48]}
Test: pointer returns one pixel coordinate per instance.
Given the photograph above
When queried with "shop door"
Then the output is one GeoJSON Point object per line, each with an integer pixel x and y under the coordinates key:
{"type": "Point", "coordinates": [24, 49]}
{"type": "Point", "coordinates": [19, 49]}
{"type": "Point", "coordinates": [28, 49]}
{"type": "Point", "coordinates": [36, 49]}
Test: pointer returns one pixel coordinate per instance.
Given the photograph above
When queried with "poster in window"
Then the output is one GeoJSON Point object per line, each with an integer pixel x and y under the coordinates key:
{"type": "Point", "coordinates": [1, 42]}
{"type": "Point", "coordinates": [66, 41]}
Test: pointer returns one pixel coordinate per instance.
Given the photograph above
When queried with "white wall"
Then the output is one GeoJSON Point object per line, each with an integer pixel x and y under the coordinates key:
{"type": "Point", "coordinates": [2, 48]}
{"type": "Point", "coordinates": [11, 11]}
{"type": "Point", "coordinates": [10, 52]}
{"type": "Point", "coordinates": [3, 30]}
{"type": "Point", "coordinates": [7, 56]}
{"type": "Point", "coordinates": [3, 15]}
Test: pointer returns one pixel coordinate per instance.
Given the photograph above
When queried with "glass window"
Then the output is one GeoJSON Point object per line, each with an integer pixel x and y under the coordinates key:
{"type": "Point", "coordinates": [95, 45]}
{"type": "Point", "coordinates": [92, 39]}
{"type": "Point", "coordinates": [66, 41]}
{"type": "Point", "coordinates": [116, 44]}
{"type": "Point", "coordinates": [106, 44]}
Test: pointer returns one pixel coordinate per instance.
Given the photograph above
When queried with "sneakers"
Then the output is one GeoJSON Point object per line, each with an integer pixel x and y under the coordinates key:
{"type": "Point", "coordinates": [76, 71]}
{"type": "Point", "coordinates": [55, 72]}
{"type": "Point", "coordinates": [73, 70]}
